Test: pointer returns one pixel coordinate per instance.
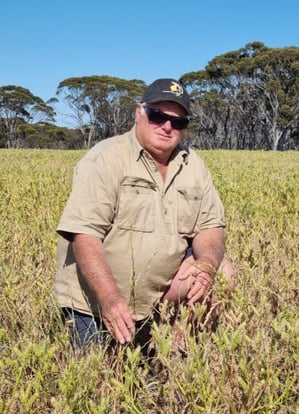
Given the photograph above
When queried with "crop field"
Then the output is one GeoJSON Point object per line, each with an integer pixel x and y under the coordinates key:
{"type": "Point", "coordinates": [249, 363]}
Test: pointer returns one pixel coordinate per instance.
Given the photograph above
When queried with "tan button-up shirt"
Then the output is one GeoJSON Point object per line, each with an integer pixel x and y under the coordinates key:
{"type": "Point", "coordinates": [144, 222]}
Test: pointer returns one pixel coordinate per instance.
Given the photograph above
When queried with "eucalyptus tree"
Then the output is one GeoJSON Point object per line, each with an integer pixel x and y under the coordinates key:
{"type": "Point", "coordinates": [259, 89]}
{"type": "Point", "coordinates": [211, 113]}
{"type": "Point", "coordinates": [276, 74]}
{"type": "Point", "coordinates": [18, 106]}
{"type": "Point", "coordinates": [101, 106]}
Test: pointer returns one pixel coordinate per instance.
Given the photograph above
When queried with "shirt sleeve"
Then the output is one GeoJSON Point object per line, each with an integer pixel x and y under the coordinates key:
{"type": "Point", "coordinates": [212, 211]}
{"type": "Point", "coordinates": [91, 204]}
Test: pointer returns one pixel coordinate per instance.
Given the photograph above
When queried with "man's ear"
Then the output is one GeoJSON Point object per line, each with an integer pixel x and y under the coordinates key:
{"type": "Point", "coordinates": [139, 112]}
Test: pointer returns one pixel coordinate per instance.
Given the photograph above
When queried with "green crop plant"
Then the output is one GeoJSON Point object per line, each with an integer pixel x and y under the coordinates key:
{"type": "Point", "coordinates": [247, 363]}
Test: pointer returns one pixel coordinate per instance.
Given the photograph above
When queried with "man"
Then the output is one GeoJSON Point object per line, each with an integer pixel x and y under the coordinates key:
{"type": "Point", "coordinates": [137, 201]}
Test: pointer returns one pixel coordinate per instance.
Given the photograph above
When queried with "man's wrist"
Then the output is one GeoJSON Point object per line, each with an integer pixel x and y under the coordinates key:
{"type": "Point", "coordinates": [205, 267]}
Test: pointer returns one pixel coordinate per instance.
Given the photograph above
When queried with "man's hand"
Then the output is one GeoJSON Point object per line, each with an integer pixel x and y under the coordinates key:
{"type": "Point", "coordinates": [200, 287]}
{"type": "Point", "coordinates": [117, 318]}
{"type": "Point", "coordinates": [190, 284]}
{"type": "Point", "coordinates": [208, 250]}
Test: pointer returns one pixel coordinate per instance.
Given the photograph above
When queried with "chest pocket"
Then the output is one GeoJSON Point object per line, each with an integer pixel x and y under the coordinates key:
{"type": "Point", "coordinates": [189, 205]}
{"type": "Point", "coordinates": [136, 205]}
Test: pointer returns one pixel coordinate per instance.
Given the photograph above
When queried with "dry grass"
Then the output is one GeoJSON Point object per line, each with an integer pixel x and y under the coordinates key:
{"type": "Point", "coordinates": [249, 364]}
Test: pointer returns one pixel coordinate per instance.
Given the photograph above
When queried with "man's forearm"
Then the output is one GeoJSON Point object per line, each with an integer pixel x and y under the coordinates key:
{"type": "Point", "coordinates": [208, 248]}
{"type": "Point", "coordinates": [90, 257]}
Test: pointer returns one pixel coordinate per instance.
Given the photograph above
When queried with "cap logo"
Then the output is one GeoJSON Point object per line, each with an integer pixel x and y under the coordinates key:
{"type": "Point", "coordinates": [176, 89]}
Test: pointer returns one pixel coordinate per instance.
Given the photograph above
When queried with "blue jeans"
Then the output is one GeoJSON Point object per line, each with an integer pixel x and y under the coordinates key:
{"type": "Point", "coordinates": [86, 329]}
{"type": "Point", "coordinates": [83, 328]}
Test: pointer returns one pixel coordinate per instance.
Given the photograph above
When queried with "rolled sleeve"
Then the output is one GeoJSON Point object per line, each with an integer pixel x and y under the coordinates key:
{"type": "Point", "coordinates": [211, 211]}
{"type": "Point", "coordinates": [90, 207]}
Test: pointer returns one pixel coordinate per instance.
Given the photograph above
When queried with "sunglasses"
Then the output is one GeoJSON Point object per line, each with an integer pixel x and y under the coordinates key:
{"type": "Point", "coordinates": [158, 117]}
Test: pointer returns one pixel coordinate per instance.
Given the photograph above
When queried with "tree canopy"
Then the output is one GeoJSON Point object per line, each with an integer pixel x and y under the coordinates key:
{"type": "Point", "coordinates": [247, 98]}
{"type": "Point", "coordinates": [18, 107]}
{"type": "Point", "coordinates": [244, 99]}
{"type": "Point", "coordinates": [102, 106]}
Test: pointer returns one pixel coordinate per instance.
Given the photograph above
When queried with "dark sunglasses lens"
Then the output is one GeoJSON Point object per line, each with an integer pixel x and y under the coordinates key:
{"type": "Point", "coordinates": [158, 117]}
{"type": "Point", "coordinates": [181, 123]}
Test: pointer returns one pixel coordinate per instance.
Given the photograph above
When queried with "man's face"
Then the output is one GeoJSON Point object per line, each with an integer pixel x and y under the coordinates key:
{"type": "Point", "coordinates": [159, 139]}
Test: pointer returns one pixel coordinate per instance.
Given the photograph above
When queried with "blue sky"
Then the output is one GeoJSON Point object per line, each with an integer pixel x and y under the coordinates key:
{"type": "Point", "coordinates": [45, 42]}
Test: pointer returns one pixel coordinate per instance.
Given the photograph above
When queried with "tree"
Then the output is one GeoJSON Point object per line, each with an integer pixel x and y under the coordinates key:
{"type": "Point", "coordinates": [276, 74]}
{"type": "Point", "coordinates": [101, 106]}
{"type": "Point", "coordinates": [18, 106]}
{"type": "Point", "coordinates": [259, 91]}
